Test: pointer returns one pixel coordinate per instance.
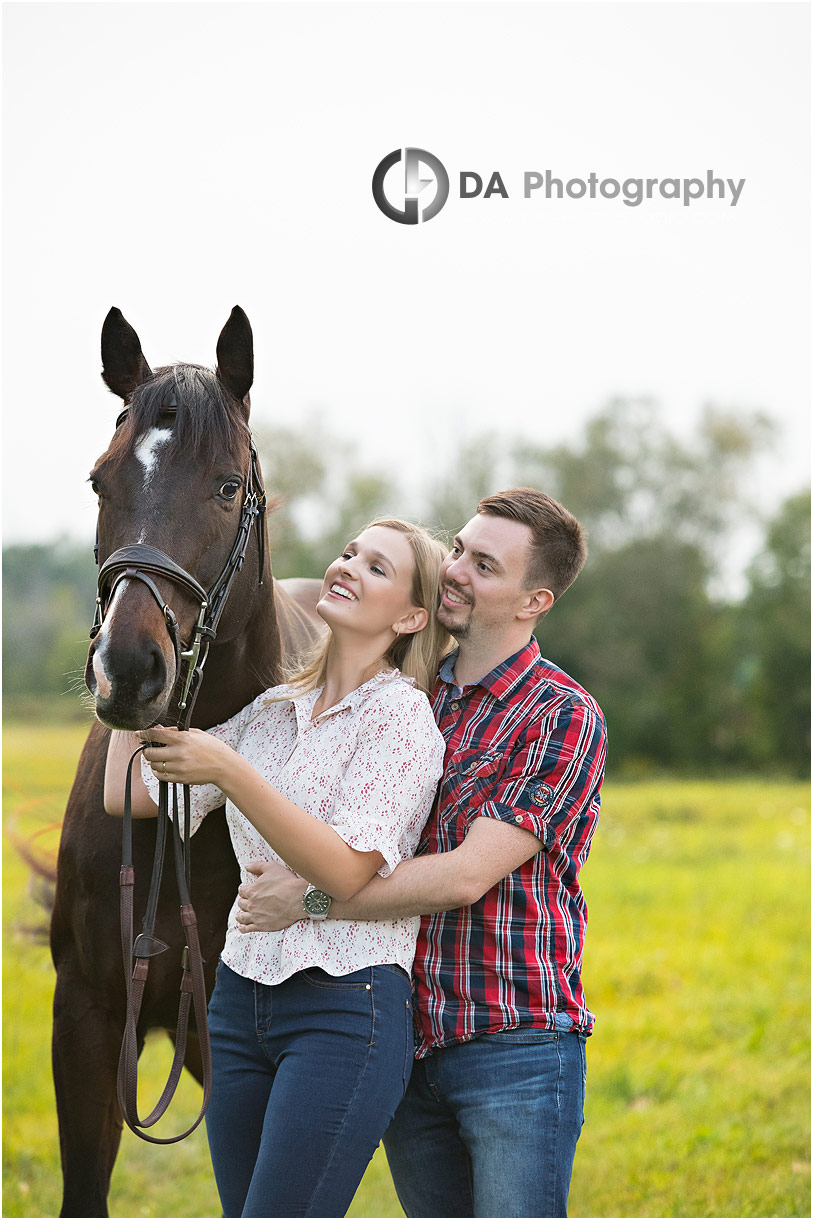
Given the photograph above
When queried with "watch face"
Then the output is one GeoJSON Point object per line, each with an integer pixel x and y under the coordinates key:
{"type": "Point", "coordinates": [317, 902]}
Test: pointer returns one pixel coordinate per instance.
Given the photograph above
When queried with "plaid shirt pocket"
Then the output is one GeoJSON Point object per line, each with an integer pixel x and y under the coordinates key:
{"type": "Point", "coordinates": [469, 780]}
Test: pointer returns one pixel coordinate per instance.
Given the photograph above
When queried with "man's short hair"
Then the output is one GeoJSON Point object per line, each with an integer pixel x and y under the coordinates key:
{"type": "Point", "coordinates": [558, 542]}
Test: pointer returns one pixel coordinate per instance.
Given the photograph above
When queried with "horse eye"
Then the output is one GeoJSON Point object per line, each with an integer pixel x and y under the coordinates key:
{"type": "Point", "coordinates": [229, 490]}
{"type": "Point", "coordinates": [94, 487]}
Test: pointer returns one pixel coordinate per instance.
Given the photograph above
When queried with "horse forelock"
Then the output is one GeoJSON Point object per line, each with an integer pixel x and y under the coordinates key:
{"type": "Point", "coordinates": [207, 423]}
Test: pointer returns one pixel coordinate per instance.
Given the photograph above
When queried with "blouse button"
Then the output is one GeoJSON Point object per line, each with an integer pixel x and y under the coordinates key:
{"type": "Point", "coordinates": [518, 817]}
{"type": "Point", "coordinates": [455, 706]}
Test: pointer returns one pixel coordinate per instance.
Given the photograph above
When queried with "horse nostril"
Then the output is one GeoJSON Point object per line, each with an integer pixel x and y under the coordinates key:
{"type": "Point", "coordinates": [154, 675]}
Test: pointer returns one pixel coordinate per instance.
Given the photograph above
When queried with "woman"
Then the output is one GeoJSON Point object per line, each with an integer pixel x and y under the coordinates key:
{"type": "Point", "coordinates": [333, 774]}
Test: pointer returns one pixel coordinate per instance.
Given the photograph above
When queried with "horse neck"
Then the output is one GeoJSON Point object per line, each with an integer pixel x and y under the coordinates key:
{"type": "Point", "coordinates": [241, 668]}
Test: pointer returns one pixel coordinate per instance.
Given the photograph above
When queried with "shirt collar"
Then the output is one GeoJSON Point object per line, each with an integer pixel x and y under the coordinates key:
{"type": "Point", "coordinates": [304, 704]}
{"type": "Point", "coordinates": [503, 677]}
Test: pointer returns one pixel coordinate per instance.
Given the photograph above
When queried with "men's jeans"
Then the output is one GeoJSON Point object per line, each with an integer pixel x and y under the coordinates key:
{"type": "Point", "coordinates": [489, 1127]}
{"type": "Point", "coordinates": [306, 1076]}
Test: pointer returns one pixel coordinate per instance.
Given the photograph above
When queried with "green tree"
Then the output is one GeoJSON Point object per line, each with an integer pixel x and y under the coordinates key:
{"type": "Point", "coordinates": [317, 505]}
{"type": "Point", "coordinates": [629, 477]}
{"type": "Point", "coordinates": [775, 635]}
{"type": "Point", "coordinates": [294, 474]}
{"type": "Point", "coordinates": [634, 631]}
{"type": "Point", "coordinates": [48, 602]}
{"type": "Point", "coordinates": [641, 628]}
{"type": "Point", "coordinates": [468, 477]}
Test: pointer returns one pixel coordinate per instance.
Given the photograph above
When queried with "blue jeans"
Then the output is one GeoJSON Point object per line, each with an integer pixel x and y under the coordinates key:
{"type": "Point", "coordinates": [489, 1127]}
{"type": "Point", "coordinates": [306, 1075]}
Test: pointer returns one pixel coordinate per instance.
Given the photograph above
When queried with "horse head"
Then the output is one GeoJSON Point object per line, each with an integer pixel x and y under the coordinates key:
{"type": "Point", "coordinates": [174, 488]}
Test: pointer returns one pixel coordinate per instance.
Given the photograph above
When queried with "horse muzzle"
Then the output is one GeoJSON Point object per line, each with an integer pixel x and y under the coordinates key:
{"type": "Point", "coordinates": [130, 679]}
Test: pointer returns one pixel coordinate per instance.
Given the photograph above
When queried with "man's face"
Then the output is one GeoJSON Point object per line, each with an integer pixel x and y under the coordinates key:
{"type": "Point", "coordinates": [482, 579]}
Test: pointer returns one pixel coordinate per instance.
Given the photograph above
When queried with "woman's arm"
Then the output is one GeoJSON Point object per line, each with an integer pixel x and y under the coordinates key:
{"type": "Point", "coordinates": [120, 750]}
{"type": "Point", "coordinates": [309, 846]}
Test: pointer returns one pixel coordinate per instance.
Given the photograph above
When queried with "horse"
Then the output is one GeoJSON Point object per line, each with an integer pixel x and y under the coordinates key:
{"type": "Point", "coordinates": [173, 478]}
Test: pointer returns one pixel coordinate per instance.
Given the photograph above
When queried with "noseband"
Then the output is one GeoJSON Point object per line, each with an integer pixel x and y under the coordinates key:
{"type": "Point", "coordinates": [140, 562]}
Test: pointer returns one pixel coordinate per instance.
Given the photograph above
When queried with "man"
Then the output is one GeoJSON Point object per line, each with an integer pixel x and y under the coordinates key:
{"type": "Point", "coordinates": [494, 1107]}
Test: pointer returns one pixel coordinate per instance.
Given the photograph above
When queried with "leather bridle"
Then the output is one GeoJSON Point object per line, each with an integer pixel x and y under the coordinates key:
{"type": "Point", "coordinates": [142, 563]}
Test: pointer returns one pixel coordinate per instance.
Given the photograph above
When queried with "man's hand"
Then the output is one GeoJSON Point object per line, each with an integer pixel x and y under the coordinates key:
{"type": "Point", "coordinates": [273, 901]}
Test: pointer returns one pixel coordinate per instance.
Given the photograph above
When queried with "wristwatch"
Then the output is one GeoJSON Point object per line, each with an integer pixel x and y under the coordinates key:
{"type": "Point", "coordinates": [316, 902]}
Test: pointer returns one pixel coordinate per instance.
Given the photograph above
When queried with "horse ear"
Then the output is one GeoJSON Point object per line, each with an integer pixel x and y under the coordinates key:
{"type": "Point", "coordinates": [123, 363]}
{"type": "Point", "coordinates": [235, 354]}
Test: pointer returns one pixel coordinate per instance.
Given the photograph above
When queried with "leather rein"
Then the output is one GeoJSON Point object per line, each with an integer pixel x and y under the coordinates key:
{"type": "Point", "coordinates": [141, 562]}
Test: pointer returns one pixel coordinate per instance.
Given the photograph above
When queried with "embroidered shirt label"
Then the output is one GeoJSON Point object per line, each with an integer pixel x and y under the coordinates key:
{"type": "Point", "coordinates": [542, 795]}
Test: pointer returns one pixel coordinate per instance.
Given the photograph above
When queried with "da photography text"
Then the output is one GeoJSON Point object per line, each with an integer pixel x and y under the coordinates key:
{"type": "Point", "coordinates": [631, 191]}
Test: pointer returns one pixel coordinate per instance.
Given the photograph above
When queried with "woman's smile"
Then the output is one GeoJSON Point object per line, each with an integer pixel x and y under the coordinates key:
{"type": "Point", "coordinates": [337, 589]}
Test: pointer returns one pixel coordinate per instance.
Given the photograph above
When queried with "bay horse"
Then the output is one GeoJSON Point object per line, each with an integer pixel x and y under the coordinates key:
{"type": "Point", "coordinates": [173, 478]}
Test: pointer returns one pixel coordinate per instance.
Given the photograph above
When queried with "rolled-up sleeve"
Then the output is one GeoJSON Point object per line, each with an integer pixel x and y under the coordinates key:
{"type": "Point", "coordinates": [386, 792]}
{"type": "Point", "coordinates": [552, 777]}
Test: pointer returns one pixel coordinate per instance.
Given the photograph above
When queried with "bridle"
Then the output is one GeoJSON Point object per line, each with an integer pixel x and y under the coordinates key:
{"type": "Point", "coordinates": [142, 563]}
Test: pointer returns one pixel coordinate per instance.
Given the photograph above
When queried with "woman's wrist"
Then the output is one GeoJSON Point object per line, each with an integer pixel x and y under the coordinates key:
{"type": "Point", "coordinates": [241, 783]}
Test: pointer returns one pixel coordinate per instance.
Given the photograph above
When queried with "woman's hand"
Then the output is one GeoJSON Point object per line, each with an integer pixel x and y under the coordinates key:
{"type": "Point", "coordinates": [273, 901]}
{"type": "Point", "coordinates": [191, 757]}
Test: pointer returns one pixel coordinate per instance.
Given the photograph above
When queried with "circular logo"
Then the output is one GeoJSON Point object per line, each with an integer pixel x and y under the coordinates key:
{"type": "Point", "coordinates": [414, 158]}
{"type": "Point", "coordinates": [542, 795]}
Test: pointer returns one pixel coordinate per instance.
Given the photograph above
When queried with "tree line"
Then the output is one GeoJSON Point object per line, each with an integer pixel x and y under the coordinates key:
{"type": "Point", "coordinates": [690, 678]}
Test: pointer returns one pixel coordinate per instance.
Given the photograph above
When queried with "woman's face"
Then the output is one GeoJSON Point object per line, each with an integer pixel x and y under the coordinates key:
{"type": "Point", "coordinates": [368, 589]}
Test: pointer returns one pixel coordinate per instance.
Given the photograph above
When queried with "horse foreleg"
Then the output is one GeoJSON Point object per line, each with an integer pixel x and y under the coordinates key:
{"type": "Point", "coordinates": [85, 1048]}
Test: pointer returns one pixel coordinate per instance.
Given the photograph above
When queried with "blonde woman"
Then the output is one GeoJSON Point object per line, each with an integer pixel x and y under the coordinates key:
{"type": "Point", "coordinates": [334, 775]}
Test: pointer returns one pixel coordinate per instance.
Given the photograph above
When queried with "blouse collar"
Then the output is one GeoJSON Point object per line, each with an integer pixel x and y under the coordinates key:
{"type": "Point", "coordinates": [304, 704]}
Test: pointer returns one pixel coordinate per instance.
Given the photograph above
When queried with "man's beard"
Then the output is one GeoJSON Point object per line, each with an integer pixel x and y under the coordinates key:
{"type": "Point", "coordinates": [460, 631]}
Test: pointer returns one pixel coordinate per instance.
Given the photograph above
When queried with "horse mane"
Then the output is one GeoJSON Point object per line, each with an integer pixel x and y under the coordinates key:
{"type": "Point", "coordinates": [207, 421]}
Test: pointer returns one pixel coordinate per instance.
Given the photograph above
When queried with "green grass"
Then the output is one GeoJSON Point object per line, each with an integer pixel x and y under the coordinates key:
{"type": "Point", "coordinates": [696, 966]}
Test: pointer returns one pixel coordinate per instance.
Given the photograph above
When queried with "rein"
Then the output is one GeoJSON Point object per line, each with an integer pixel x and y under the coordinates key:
{"type": "Point", "coordinates": [147, 945]}
{"type": "Point", "coordinates": [141, 562]}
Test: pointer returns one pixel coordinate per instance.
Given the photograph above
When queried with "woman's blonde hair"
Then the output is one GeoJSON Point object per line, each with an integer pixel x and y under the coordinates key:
{"type": "Point", "coordinates": [417, 654]}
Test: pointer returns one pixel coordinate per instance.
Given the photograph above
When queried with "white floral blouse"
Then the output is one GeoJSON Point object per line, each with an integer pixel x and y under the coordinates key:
{"type": "Point", "coordinates": [369, 767]}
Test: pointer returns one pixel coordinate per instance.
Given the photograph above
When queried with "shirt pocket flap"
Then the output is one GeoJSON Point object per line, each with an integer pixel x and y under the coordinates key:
{"type": "Point", "coordinates": [470, 779]}
{"type": "Point", "coordinates": [476, 764]}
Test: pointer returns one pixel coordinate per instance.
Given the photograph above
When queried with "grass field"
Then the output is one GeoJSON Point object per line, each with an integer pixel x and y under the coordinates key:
{"type": "Point", "coordinates": [696, 965]}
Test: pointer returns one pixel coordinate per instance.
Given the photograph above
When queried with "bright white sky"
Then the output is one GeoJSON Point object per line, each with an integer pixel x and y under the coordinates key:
{"type": "Point", "coordinates": [176, 159]}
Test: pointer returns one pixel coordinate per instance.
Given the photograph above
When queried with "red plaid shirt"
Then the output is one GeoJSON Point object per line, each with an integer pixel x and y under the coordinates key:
{"type": "Point", "coordinates": [525, 745]}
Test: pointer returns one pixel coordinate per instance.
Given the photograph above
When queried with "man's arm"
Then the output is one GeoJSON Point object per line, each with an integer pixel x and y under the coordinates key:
{"type": "Point", "coordinates": [440, 882]}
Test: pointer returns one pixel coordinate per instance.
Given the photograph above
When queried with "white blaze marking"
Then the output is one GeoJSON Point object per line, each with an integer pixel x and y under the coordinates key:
{"type": "Point", "coordinates": [103, 686]}
{"type": "Point", "coordinates": [103, 683]}
{"type": "Point", "coordinates": [146, 448]}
